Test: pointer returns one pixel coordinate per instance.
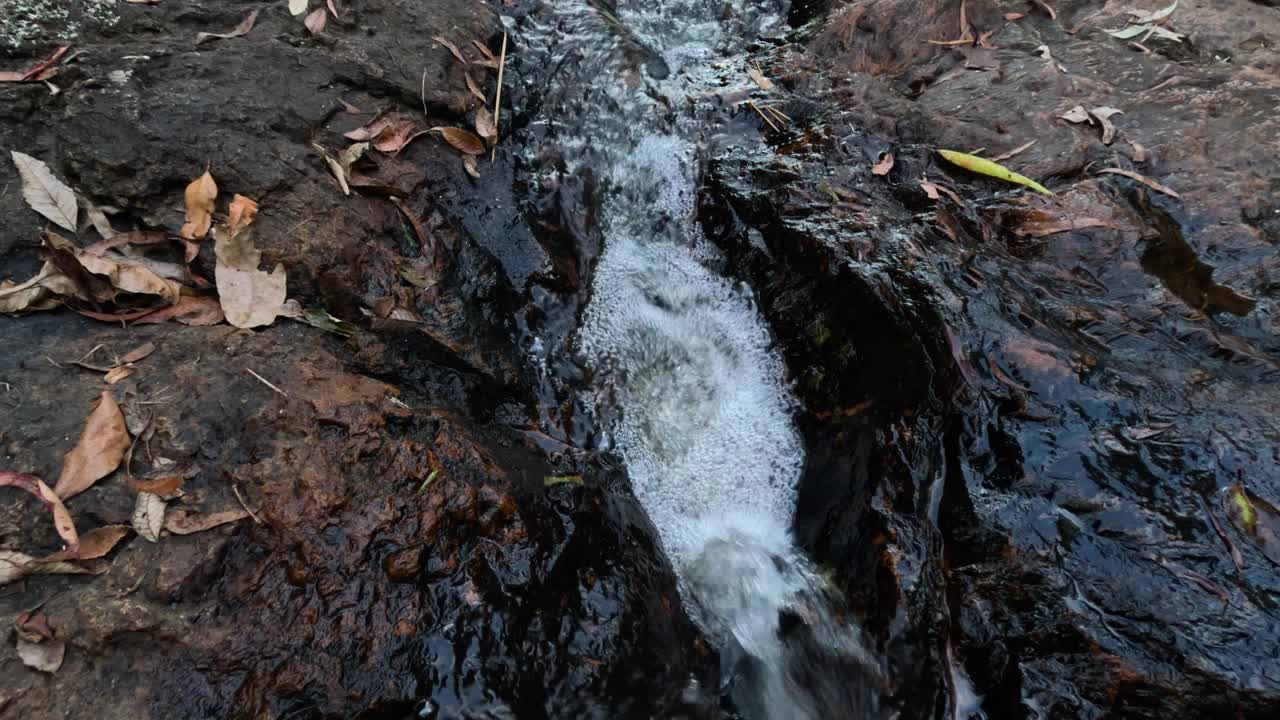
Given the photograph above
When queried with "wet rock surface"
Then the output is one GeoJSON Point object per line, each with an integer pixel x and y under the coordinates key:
{"type": "Point", "coordinates": [1019, 442]}
{"type": "Point", "coordinates": [403, 545]}
{"type": "Point", "coordinates": [1016, 443]}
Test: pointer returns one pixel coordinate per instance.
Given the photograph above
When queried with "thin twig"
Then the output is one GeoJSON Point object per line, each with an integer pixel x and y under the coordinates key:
{"type": "Point", "coordinates": [423, 93]}
{"type": "Point", "coordinates": [245, 505]}
{"type": "Point", "coordinates": [762, 115]}
{"type": "Point", "coordinates": [497, 103]}
{"type": "Point", "coordinates": [267, 383]}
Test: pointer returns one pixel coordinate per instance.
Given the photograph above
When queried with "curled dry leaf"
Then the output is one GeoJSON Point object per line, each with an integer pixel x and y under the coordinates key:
{"type": "Point", "coordinates": [1103, 116]}
{"type": "Point", "coordinates": [116, 374]}
{"type": "Point", "coordinates": [148, 516]}
{"type": "Point", "coordinates": [1047, 8]}
{"type": "Point", "coordinates": [45, 193]}
{"type": "Point", "coordinates": [102, 445]}
{"type": "Point", "coordinates": [249, 297]}
{"type": "Point", "coordinates": [883, 167]}
{"type": "Point", "coordinates": [1076, 114]}
{"type": "Point", "coordinates": [98, 219]}
{"type": "Point", "coordinates": [484, 49]}
{"type": "Point", "coordinates": [389, 134]}
{"type": "Point", "coordinates": [133, 275]}
{"type": "Point", "coordinates": [135, 237]}
{"type": "Point", "coordinates": [34, 485]}
{"type": "Point", "coordinates": [341, 165]}
{"type": "Point", "coordinates": [36, 293]}
{"type": "Point", "coordinates": [240, 30]}
{"type": "Point", "coordinates": [185, 522]}
{"type": "Point", "coordinates": [463, 141]}
{"type": "Point", "coordinates": [315, 21]}
{"type": "Point", "coordinates": [199, 198]}
{"type": "Point", "coordinates": [469, 164]}
{"type": "Point", "coordinates": [240, 214]}
{"type": "Point", "coordinates": [485, 127]}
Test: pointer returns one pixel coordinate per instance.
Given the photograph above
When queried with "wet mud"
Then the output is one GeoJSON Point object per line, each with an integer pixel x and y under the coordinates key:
{"type": "Point", "coordinates": [1016, 443]}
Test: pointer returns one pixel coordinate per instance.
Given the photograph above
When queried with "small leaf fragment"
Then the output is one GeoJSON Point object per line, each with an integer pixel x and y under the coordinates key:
{"type": "Point", "coordinates": [883, 167]}
{"type": "Point", "coordinates": [45, 657]}
{"type": "Point", "coordinates": [61, 518]}
{"type": "Point", "coordinates": [982, 166]}
{"type": "Point", "coordinates": [1142, 179]}
{"type": "Point", "coordinates": [1258, 519]}
{"type": "Point", "coordinates": [554, 480]}
{"type": "Point", "coordinates": [315, 21]}
{"type": "Point", "coordinates": [240, 30]}
{"type": "Point", "coordinates": [297, 7]}
{"type": "Point", "coordinates": [452, 48]}
{"type": "Point", "coordinates": [185, 522]}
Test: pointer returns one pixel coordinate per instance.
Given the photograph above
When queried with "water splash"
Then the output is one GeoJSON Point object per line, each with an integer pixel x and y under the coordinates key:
{"type": "Point", "coordinates": [704, 416]}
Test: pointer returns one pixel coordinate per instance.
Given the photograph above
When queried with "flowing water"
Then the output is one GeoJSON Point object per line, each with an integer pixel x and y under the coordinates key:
{"type": "Point", "coordinates": [680, 368]}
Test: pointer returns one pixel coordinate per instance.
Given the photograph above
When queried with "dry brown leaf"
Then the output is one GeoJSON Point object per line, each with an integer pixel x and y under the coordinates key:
{"type": "Point", "coordinates": [469, 164]}
{"type": "Point", "coordinates": [133, 275]}
{"type": "Point", "coordinates": [396, 137]}
{"type": "Point", "coordinates": [1016, 151]}
{"type": "Point", "coordinates": [98, 219]}
{"type": "Point", "coordinates": [199, 198]}
{"type": "Point", "coordinates": [341, 165]}
{"type": "Point", "coordinates": [34, 485]}
{"type": "Point", "coordinates": [452, 49]}
{"type": "Point", "coordinates": [315, 21]}
{"type": "Point", "coordinates": [15, 566]}
{"type": "Point", "coordinates": [1053, 227]}
{"type": "Point", "coordinates": [45, 193]}
{"type": "Point", "coordinates": [240, 214]}
{"type": "Point", "coordinates": [484, 49]}
{"type": "Point", "coordinates": [164, 486]}
{"type": "Point", "coordinates": [485, 127]}
{"type": "Point", "coordinates": [189, 310]}
{"type": "Point", "coordinates": [475, 89]}
{"type": "Point", "coordinates": [883, 167]}
{"type": "Point", "coordinates": [100, 449]}
{"type": "Point", "coordinates": [93, 545]}
{"type": "Point", "coordinates": [148, 516]}
{"type": "Point", "coordinates": [240, 30]}
{"type": "Point", "coordinates": [36, 293]}
{"type": "Point", "coordinates": [185, 522]}
{"type": "Point", "coordinates": [44, 656]}
{"type": "Point", "coordinates": [1142, 179]}
{"type": "Point", "coordinates": [463, 141]}
{"type": "Point", "coordinates": [138, 353]}
{"type": "Point", "coordinates": [249, 297]}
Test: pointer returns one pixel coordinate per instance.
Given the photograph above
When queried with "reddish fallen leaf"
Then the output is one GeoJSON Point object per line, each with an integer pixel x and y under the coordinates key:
{"type": "Point", "coordinates": [1142, 179]}
{"type": "Point", "coordinates": [350, 109]}
{"type": "Point", "coordinates": [116, 317]}
{"type": "Point", "coordinates": [1139, 153]}
{"type": "Point", "coordinates": [1053, 227]}
{"type": "Point", "coordinates": [240, 214]}
{"type": "Point", "coordinates": [138, 353]}
{"type": "Point", "coordinates": [99, 452]}
{"type": "Point", "coordinates": [164, 486]}
{"type": "Point", "coordinates": [32, 73]}
{"type": "Point", "coordinates": [333, 8]}
{"type": "Point", "coordinates": [199, 197]}
{"type": "Point", "coordinates": [189, 310]}
{"type": "Point", "coordinates": [475, 89]}
{"type": "Point", "coordinates": [884, 166]}
{"type": "Point", "coordinates": [315, 21]}
{"type": "Point", "coordinates": [415, 221]}
{"type": "Point", "coordinates": [94, 544]}
{"type": "Point", "coordinates": [933, 189]}
{"type": "Point", "coordinates": [463, 141]}
{"type": "Point", "coordinates": [242, 29]}
{"type": "Point", "coordinates": [34, 485]}
{"type": "Point", "coordinates": [1013, 16]}
{"type": "Point", "coordinates": [185, 522]}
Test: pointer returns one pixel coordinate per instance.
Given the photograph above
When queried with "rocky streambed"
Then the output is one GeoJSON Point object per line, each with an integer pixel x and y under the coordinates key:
{"type": "Point", "coordinates": [1021, 425]}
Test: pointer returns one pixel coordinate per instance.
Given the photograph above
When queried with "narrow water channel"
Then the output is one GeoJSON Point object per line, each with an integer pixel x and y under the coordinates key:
{"type": "Point", "coordinates": [680, 371]}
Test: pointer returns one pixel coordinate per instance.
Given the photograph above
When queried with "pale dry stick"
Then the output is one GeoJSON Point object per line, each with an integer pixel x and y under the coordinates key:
{"type": "Point", "coordinates": [763, 116]}
{"type": "Point", "coordinates": [245, 505]}
{"type": "Point", "coordinates": [497, 103]}
{"type": "Point", "coordinates": [266, 382]}
{"type": "Point", "coordinates": [423, 92]}
{"type": "Point", "coordinates": [777, 114]}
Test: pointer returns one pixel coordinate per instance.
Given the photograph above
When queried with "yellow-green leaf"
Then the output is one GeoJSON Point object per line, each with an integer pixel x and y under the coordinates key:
{"type": "Point", "coordinates": [982, 166]}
